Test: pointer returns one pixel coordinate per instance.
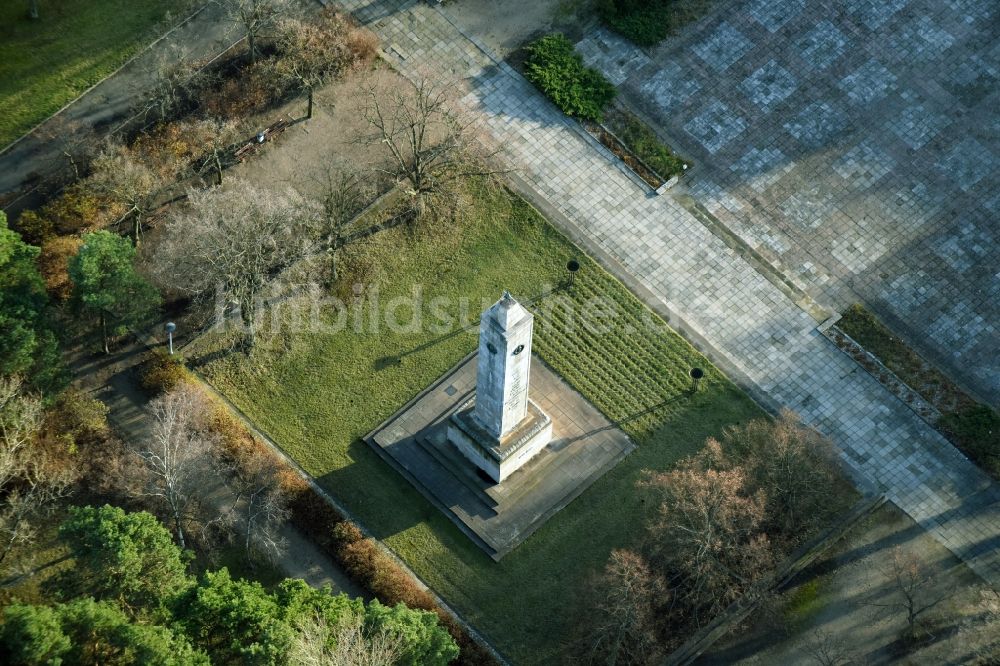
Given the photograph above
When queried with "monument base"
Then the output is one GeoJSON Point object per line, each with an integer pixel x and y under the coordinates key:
{"type": "Point", "coordinates": [499, 516]}
{"type": "Point", "coordinates": [499, 458]}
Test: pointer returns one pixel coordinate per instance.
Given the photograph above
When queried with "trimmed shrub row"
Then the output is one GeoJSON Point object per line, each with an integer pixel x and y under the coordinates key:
{"type": "Point", "coordinates": [359, 555]}
{"type": "Point", "coordinates": [642, 141]}
{"type": "Point", "coordinates": [969, 425]}
{"type": "Point", "coordinates": [645, 22]}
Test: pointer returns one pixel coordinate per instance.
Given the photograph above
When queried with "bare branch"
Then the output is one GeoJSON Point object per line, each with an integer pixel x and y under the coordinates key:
{"type": "Point", "coordinates": [234, 242]}
{"type": "Point", "coordinates": [177, 455]}
{"type": "Point", "coordinates": [430, 144]}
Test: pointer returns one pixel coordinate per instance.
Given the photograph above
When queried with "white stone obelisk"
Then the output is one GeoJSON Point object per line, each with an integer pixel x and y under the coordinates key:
{"type": "Point", "coordinates": [501, 429]}
{"type": "Point", "coordinates": [504, 366]}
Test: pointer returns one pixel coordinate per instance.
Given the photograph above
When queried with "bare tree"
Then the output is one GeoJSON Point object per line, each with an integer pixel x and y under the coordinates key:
{"type": "Point", "coordinates": [708, 533]}
{"type": "Point", "coordinates": [344, 194]}
{"type": "Point", "coordinates": [235, 242]}
{"type": "Point", "coordinates": [431, 146]}
{"type": "Point", "coordinates": [910, 589]}
{"type": "Point", "coordinates": [122, 176]}
{"type": "Point", "coordinates": [793, 464]}
{"type": "Point", "coordinates": [178, 454]}
{"type": "Point", "coordinates": [77, 143]}
{"type": "Point", "coordinates": [217, 137]}
{"type": "Point", "coordinates": [260, 501]}
{"type": "Point", "coordinates": [254, 18]}
{"type": "Point", "coordinates": [315, 52]}
{"type": "Point", "coordinates": [827, 649]}
{"type": "Point", "coordinates": [347, 643]}
{"type": "Point", "coordinates": [172, 81]}
{"type": "Point", "coordinates": [624, 630]}
{"type": "Point", "coordinates": [29, 485]}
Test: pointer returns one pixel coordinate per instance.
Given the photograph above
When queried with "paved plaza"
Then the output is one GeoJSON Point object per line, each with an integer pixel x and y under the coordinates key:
{"type": "Point", "coordinates": [751, 326]}
{"type": "Point", "coordinates": [855, 145]}
{"type": "Point", "coordinates": [498, 517]}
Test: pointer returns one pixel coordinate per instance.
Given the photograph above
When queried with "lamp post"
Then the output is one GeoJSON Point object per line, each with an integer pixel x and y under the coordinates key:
{"type": "Point", "coordinates": [171, 327]}
{"type": "Point", "coordinates": [572, 266]}
{"type": "Point", "coordinates": [696, 375]}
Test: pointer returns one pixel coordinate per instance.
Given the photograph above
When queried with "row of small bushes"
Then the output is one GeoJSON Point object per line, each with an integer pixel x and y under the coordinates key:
{"type": "Point", "coordinates": [643, 141]}
{"type": "Point", "coordinates": [971, 426]}
{"type": "Point", "coordinates": [648, 22]}
{"type": "Point", "coordinates": [363, 560]}
{"type": "Point", "coordinates": [558, 71]}
{"type": "Point", "coordinates": [582, 92]}
{"type": "Point", "coordinates": [645, 22]}
{"type": "Point", "coordinates": [976, 430]}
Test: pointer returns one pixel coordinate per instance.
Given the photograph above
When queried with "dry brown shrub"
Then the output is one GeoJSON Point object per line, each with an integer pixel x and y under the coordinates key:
{"type": "Point", "coordinates": [380, 574]}
{"type": "Point", "coordinates": [255, 88]}
{"type": "Point", "coordinates": [53, 264]}
{"type": "Point", "coordinates": [168, 146]}
{"type": "Point", "coordinates": [363, 44]}
{"type": "Point", "coordinates": [162, 372]}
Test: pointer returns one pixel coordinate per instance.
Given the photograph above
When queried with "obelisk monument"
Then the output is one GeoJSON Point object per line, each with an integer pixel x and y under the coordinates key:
{"type": "Point", "coordinates": [501, 429]}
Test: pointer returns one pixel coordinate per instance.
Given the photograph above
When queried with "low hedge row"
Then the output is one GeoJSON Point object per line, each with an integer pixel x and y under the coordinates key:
{"type": "Point", "coordinates": [645, 22]}
{"type": "Point", "coordinates": [362, 559]}
{"type": "Point", "coordinates": [643, 141]}
{"type": "Point", "coordinates": [558, 71]}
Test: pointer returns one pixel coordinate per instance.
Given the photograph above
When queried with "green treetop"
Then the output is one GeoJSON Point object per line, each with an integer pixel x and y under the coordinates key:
{"type": "Point", "coordinates": [27, 345]}
{"type": "Point", "coordinates": [107, 286]}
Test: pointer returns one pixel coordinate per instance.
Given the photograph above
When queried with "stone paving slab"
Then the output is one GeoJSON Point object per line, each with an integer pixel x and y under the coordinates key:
{"type": "Point", "coordinates": [854, 144]}
{"type": "Point", "coordinates": [757, 328]}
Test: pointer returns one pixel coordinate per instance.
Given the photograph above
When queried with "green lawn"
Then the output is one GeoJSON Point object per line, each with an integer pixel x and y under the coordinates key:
{"type": "Point", "coordinates": [317, 394]}
{"type": "Point", "coordinates": [74, 44]}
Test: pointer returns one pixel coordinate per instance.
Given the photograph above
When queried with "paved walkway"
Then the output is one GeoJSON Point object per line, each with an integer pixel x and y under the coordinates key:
{"type": "Point", "coordinates": [855, 145]}
{"type": "Point", "coordinates": [757, 330]}
{"type": "Point", "coordinates": [111, 101]}
{"type": "Point", "coordinates": [202, 36]}
{"type": "Point", "coordinates": [114, 382]}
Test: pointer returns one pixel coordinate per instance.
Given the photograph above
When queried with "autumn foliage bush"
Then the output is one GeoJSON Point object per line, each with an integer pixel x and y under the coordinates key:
{"type": "Point", "coordinates": [360, 556]}
{"type": "Point", "coordinates": [53, 264]}
{"type": "Point", "coordinates": [78, 208]}
{"type": "Point", "coordinates": [162, 372]}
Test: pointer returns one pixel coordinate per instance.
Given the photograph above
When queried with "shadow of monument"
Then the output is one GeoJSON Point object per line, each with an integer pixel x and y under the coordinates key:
{"type": "Point", "coordinates": [620, 424]}
{"type": "Point", "coordinates": [383, 488]}
{"type": "Point", "coordinates": [396, 359]}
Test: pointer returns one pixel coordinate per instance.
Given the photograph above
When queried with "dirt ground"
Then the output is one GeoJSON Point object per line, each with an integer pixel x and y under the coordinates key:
{"type": "Point", "coordinates": [831, 602]}
{"type": "Point", "coordinates": [504, 26]}
{"type": "Point", "coordinates": [302, 154]}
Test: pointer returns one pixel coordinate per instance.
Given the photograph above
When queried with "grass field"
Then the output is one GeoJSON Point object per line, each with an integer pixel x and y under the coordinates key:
{"type": "Point", "coordinates": [318, 393]}
{"type": "Point", "coordinates": [47, 62]}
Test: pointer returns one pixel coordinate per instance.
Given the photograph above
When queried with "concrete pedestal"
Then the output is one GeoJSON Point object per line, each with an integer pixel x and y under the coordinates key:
{"type": "Point", "coordinates": [499, 458]}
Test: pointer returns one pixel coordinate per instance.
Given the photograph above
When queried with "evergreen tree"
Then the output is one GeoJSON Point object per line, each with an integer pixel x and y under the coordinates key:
{"type": "Point", "coordinates": [27, 344]}
{"type": "Point", "coordinates": [107, 286]}
{"type": "Point", "coordinates": [88, 632]}
{"type": "Point", "coordinates": [129, 558]}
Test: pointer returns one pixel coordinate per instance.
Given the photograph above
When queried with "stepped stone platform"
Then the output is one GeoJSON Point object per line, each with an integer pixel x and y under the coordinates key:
{"type": "Point", "coordinates": [499, 516]}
